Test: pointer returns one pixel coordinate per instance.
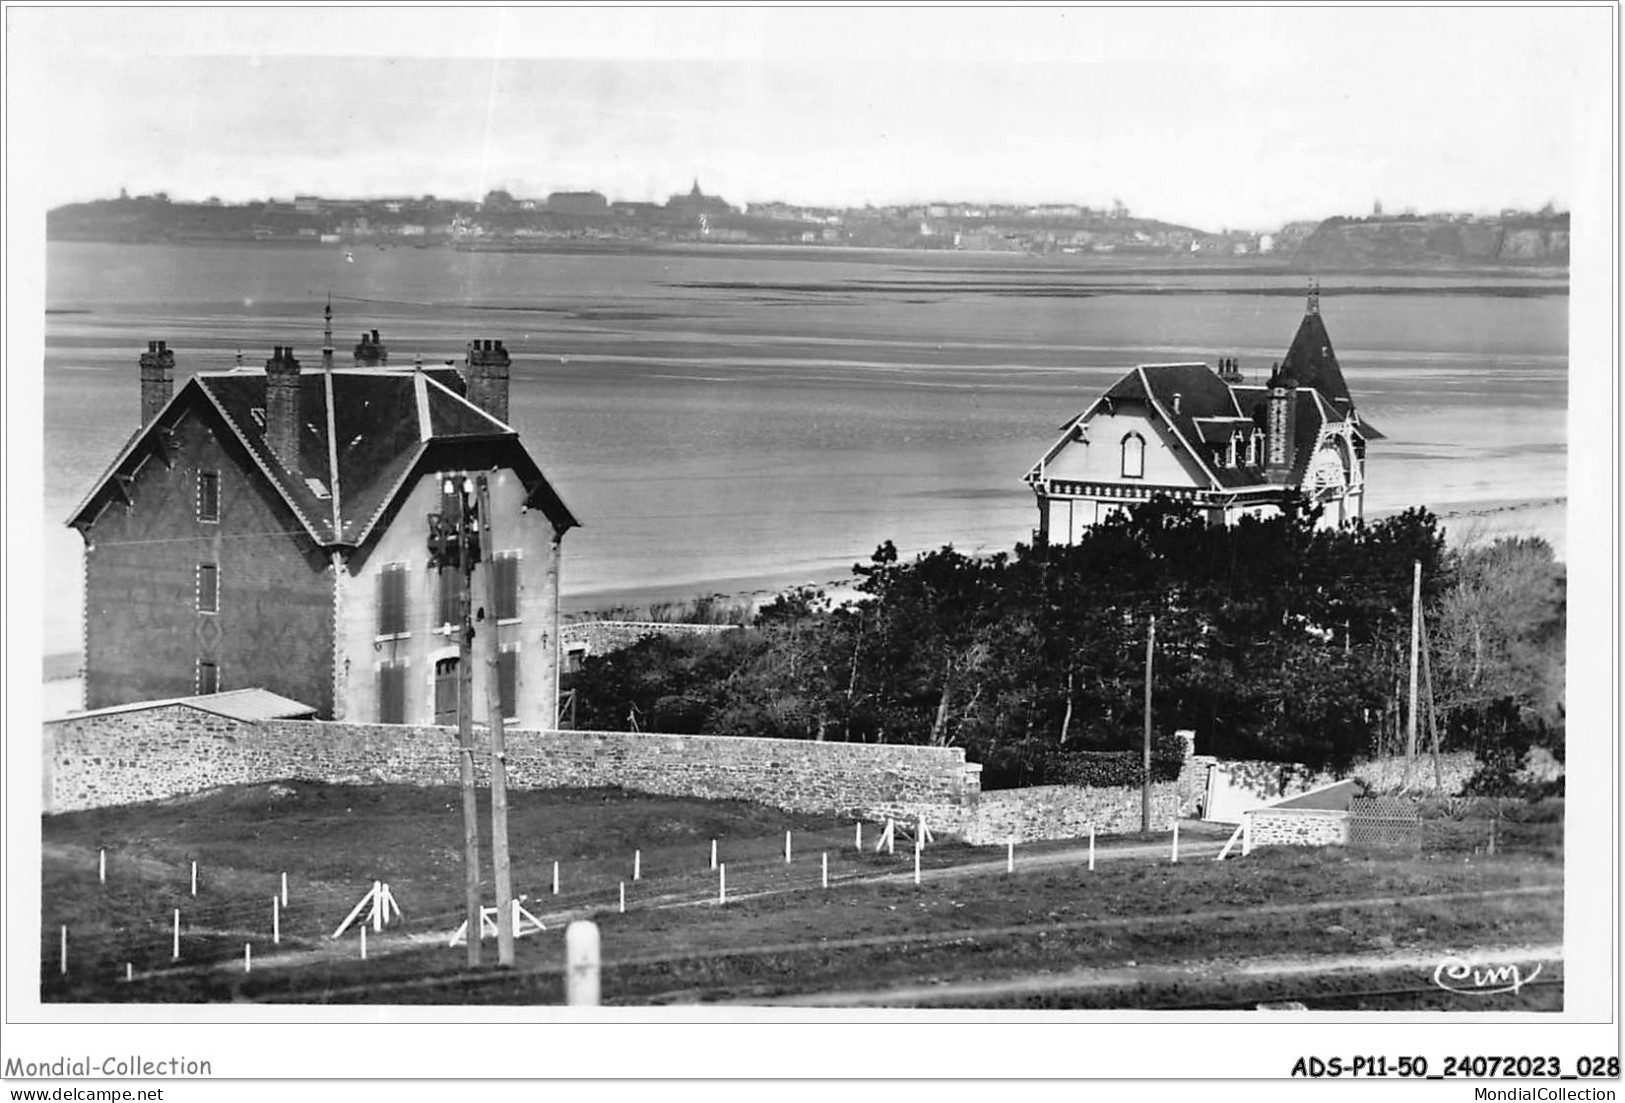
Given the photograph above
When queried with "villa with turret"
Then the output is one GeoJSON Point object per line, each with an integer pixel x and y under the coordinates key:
{"type": "Point", "coordinates": [1201, 437]}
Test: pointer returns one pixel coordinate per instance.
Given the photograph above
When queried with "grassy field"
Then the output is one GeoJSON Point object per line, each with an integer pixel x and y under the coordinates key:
{"type": "Point", "coordinates": [1327, 927]}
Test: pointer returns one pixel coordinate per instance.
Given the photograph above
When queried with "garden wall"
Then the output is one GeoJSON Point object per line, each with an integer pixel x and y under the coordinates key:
{"type": "Point", "coordinates": [1065, 812]}
{"type": "Point", "coordinates": [166, 751]}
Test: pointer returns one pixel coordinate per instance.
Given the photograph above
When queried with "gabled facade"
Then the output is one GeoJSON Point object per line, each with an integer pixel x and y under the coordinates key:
{"type": "Point", "coordinates": [269, 528]}
{"type": "Point", "coordinates": [1204, 439]}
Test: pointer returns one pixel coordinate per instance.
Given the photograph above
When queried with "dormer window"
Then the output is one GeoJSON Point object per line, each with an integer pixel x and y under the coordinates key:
{"type": "Point", "coordinates": [1230, 452]}
{"type": "Point", "coordinates": [1254, 444]}
{"type": "Point", "coordinates": [1133, 456]}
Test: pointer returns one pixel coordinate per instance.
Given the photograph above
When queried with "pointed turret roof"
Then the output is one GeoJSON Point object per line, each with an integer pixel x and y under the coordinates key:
{"type": "Point", "coordinates": [1310, 361]}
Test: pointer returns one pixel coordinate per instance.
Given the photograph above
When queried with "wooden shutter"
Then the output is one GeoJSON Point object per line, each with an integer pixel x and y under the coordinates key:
{"type": "Point", "coordinates": [208, 496]}
{"type": "Point", "coordinates": [392, 693]}
{"type": "Point", "coordinates": [506, 566]}
{"type": "Point", "coordinates": [208, 588]}
{"type": "Point", "coordinates": [392, 600]}
{"type": "Point", "coordinates": [508, 681]}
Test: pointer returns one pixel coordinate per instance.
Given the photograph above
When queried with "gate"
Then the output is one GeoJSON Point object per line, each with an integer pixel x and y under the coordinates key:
{"type": "Point", "coordinates": [1392, 822]}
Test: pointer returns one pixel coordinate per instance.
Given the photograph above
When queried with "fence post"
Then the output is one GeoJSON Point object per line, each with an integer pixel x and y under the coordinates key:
{"type": "Point", "coordinates": [276, 921]}
{"type": "Point", "coordinates": [194, 878]}
{"type": "Point", "coordinates": [581, 952]}
{"type": "Point", "coordinates": [555, 878]}
{"type": "Point", "coordinates": [824, 859]}
{"type": "Point", "coordinates": [623, 897]}
{"type": "Point", "coordinates": [787, 848]}
{"type": "Point", "coordinates": [284, 888]}
{"type": "Point", "coordinates": [1091, 848]}
{"type": "Point", "coordinates": [637, 865]}
{"type": "Point", "coordinates": [363, 930]}
{"type": "Point", "coordinates": [248, 957]}
{"type": "Point", "coordinates": [101, 866]}
{"type": "Point", "coordinates": [1010, 856]}
{"type": "Point", "coordinates": [176, 956]}
{"type": "Point", "coordinates": [722, 883]}
{"type": "Point", "coordinates": [857, 840]}
{"type": "Point", "coordinates": [64, 949]}
{"type": "Point", "coordinates": [713, 854]}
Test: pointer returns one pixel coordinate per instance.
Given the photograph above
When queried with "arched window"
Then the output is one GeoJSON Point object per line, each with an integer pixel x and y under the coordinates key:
{"type": "Point", "coordinates": [1133, 456]}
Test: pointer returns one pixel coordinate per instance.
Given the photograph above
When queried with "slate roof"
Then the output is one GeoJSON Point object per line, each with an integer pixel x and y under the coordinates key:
{"type": "Point", "coordinates": [1208, 409]}
{"type": "Point", "coordinates": [364, 435]}
{"type": "Point", "coordinates": [237, 704]}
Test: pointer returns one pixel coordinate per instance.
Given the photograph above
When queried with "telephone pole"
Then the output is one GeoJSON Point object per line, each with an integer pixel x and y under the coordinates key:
{"type": "Point", "coordinates": [452, 543]}
{"type": "Point", "coordinates": [1416, 646]}
{"type": "Point", "coordinates": [1145, 782]}
{"type": "Point", "coordinates": [499, 761]}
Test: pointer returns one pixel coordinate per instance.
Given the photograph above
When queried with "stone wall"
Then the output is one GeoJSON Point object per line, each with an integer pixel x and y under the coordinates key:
{"type": "Point", "coordinates": [1065, 812]}
{"type": "Point", "coordinates": [1296, 827]}
{"type": "Point", "coordinates": [149, 754]}
{"type": "Point", "coordinates": [596, 637]}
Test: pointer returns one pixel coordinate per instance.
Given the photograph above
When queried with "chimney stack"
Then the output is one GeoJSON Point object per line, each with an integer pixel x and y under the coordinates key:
{"type": "Point", "coordinates": [370, 352]}
{"type": "Point", "coordinates": [157, 380]}
{"type": "Point", "coordinates": [486, 375]}
{"type": "Point", "coordinates": [282, 407]}
{"type": "Point", "coordinates": [1279, 429]}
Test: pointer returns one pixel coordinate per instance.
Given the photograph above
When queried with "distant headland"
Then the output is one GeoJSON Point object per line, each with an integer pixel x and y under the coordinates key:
{"type": "Point", "coordinates": [503, 222]}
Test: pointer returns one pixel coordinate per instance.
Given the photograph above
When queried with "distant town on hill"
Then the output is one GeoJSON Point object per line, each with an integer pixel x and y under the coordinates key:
{"type": "Point", "coordinates": [503, 222]}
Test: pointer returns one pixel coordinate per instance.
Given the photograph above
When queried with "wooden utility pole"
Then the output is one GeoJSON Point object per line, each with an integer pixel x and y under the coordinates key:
{"type": "Point", "coordinates": [499, 764]}
{"type": "Point", "coordinates": [1145, 782]}
{"type": "Point", "coordinates": [465, 716]}
{"type": "Point", "coordinates": [551, 647]}
{"type": "Point", "coordinates": [1433, 718]}
{"type": "Point", "coordinates": [1416, 642]}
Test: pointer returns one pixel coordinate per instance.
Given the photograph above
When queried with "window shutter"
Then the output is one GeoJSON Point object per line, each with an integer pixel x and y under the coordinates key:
{"type": "Point", "coordinates": [208, 588]}
{"type": "Point", "coordinates": [508, 681]}
{"type": "Point", "coordinates": [392, 600]}
{"type": "Point", "coordinates": [208, 496]}
{"type": "Point", "coordinates": [392, 693]}
{"type": "Point", "coordinates": [451, 582]}
{"type": "Point", "coordinates": [506, 566]}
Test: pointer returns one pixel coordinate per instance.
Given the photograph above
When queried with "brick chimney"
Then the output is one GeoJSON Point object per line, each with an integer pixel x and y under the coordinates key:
{"type": "Point", "coordinates": [282, 407]}
{"type": "Point", "coordinates": [157, 380]}
{"type": "Point", "coordinates": [370, 352]}
{"type": "Point", "coordinates": [486, 374]}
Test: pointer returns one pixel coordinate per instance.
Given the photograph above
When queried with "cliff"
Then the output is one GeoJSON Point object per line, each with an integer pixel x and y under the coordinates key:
{"type": "Point", "coordinates": [1409, 241]}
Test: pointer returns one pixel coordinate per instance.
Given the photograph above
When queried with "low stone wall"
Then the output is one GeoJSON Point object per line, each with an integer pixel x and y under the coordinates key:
{"type": "Point", "coordinates": [1296, 827]}
{"type": "Point", "coordinates": [595, 637]}
{"type": "Point", "coordinates": [149, 754]}
{"type": "Point", "coordinates": [1065, 812]}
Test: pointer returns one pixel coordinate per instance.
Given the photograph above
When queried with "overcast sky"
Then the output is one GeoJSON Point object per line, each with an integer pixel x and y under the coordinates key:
{"type": "Point", "coordinates": [1209, 117]}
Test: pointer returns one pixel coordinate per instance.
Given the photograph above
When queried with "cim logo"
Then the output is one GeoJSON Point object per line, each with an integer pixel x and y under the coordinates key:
{"type": "Point", "coordinates": [1455, 974]}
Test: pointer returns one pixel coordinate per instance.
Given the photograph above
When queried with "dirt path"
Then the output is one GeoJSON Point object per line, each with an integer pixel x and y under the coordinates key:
{"type": "Point", "coordinates": [958, 993]}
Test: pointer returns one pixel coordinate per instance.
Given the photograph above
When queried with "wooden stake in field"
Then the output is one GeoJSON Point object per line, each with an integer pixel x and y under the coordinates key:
{"type": "Point", "coordinates": [824, 861]}
{"type": "Point", "coordinates": [101, 866]}
{"type": "Point", "coordinates": [1145, 781]}
{"type": "Point", "coordinates": [857, 839]}
{"type": "Point", "coordinates": [64, 949]}
{"type": "Point", "coordinates": [623, 897]}
{"type": "Point", "coordinates": [129, 973]}
{"type": "Point", "coordinates": [1010, 856]}
{"type": "Point", "coordinates": [276, 921]}
{"type": "Point", "coordinates": [248, 957]}
{"type": "Point", "coordinates": [581, 957]}
{"type": "Point", "coordinates": [194, 878]}
{"type": "Point", "coordinates": [363, 930]}
{"type": "Point", "coordinates": [722, 883]}
{"type": "Point", "coordinates": [713, 854]}
{"type": "Point", "coordinates": [1174, 856]}
{"type": "Point", "coordinates": [787, 848]}
{"type": "Point", "coordinates": [637, 865]}
{"type": "Point", "coordinates": [176, 953]}
{"type": "Point", "coordinates": [1091, 848]}
{"type": "Point", "coordinates": [916, 865]}
{"type": "Point", "coordinates": [284, 888]}
{"type": "Point", "coordinates": [555, 878]}
{"type": "Point", "coordinates": [377, 905]}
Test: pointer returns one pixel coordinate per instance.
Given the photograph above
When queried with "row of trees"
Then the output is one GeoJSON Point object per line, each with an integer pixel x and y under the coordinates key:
{"type": "Point", "coordinates": [1274, 640]}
